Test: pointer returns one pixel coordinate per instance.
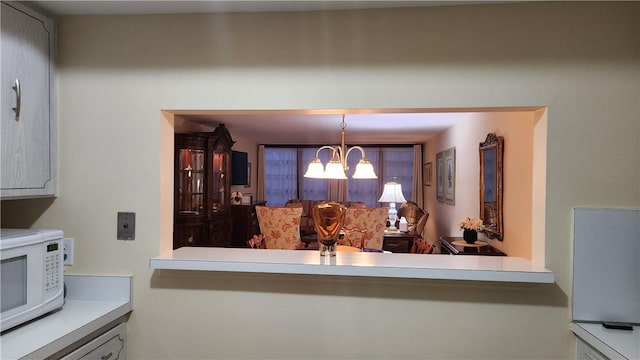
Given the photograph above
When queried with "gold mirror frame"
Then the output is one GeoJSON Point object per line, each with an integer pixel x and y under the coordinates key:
{"type": "Point", "coordinates": [491, 151]}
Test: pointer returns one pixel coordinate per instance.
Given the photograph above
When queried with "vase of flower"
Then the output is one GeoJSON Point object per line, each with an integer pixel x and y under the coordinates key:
{"type": "Point", "coordinates": [470, 236]}
{"type": "Point", "coordinates": [470, 227]}
{"type": "Point", "coordinates": [236, 198]}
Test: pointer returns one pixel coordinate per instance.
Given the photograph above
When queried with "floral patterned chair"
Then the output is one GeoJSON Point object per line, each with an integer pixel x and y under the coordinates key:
{"type": "Point", "coordinates": [421, 246]}
{"type": "Point", "coordinates": [306, 221]}
{"type": "Point", "coordinates": [364, 228]}
{"type": "Point", "coordinates": [417, 220]}
{"type": "Point", "coordinates": [280, 226]}
{"type": "Point", "coordinates": [416, 217]}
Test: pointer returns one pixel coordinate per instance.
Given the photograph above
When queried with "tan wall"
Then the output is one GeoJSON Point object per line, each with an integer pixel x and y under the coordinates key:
{"type": "Point", "coordinates": [517, 130]}
{"type": "Point", "coordinates": [117, 73]}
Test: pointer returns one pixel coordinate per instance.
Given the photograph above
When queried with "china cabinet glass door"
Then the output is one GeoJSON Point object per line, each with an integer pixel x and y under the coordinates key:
{"type": "Point", "coordinates": [191, 182]}
{"type": "Point", "coordinates": [219, 196]}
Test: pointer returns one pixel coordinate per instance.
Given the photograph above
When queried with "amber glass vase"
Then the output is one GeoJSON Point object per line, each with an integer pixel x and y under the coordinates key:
{"type": "Point", "coordinates": [328, 219]}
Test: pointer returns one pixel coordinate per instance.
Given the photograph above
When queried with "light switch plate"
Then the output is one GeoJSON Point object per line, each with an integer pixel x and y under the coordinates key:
{"type": "Point", "coordinates": [126, 226]}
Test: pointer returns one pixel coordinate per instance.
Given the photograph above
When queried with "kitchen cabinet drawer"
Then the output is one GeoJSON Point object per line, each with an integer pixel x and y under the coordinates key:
{"type": "Point", "coordinates": [111, 345]}
{"type": "Point", "coordinates": [586, 352]}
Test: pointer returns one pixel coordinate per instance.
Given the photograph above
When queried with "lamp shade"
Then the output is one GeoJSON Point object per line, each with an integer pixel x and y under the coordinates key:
{"type": "Point", "coordinates": [334, 170]}
{"type": "Point", "coordinates": [392, 193]}
{"type": "Point", "coordinates": [315, 169]}
{"type": "Point", "coordinates": [364, 170]}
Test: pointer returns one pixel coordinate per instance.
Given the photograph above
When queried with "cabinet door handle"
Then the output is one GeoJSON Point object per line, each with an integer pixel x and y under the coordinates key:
{"type": "Point", "coordinates": [107, 356]}
{"type": "Point", "coordinates": [16, 88]}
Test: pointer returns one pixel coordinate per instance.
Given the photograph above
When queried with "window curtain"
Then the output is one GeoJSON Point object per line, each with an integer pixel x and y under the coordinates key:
{"type": "Point", "coordinates": [281, 170]}
{"type": "Point", "coordinates": [311, 189]}
{"type": "Point", "coordinates": [398, 166]}
{"type": "Point", "coordinates": [365, 190]}
{"type": "Point", "coordinates": [338, 190]}
{"type": "Point", "coordinates": [280, 175]}
{"type": "Point", "coordinates": [418, 189]}
{"type": "Point", "coordinates": [261, 189]}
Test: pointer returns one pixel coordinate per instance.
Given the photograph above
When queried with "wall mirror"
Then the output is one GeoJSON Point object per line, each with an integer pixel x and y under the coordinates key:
{"type": "Point", "coordinates": [491, 151]}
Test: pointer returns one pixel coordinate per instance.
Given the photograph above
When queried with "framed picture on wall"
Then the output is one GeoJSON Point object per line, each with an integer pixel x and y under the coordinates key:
{"type": "Point", "coordinates": [450, 176]}
{"type": "Point", "coordinates": [427, 174]}
{"type": "Point", "coordinates": [440, 176]}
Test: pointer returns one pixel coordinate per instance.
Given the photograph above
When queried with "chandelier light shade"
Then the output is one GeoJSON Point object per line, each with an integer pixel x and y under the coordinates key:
{"type": "Point", "coordinates": [337, 166]}
{"type": "Point", "coordinates": [364, 169]}
{"type": "Point", "coordinates": [392, 194]}
{"type": "Point", "coordinates": [334, 168]}
{"type": "Point", "coordinates": [315, 169]}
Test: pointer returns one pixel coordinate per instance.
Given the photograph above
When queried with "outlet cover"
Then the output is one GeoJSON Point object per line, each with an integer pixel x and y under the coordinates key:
{"type": "Point", "coordinates": [126, 226]}
{"type": "Point", "coordinates": [67, 251]}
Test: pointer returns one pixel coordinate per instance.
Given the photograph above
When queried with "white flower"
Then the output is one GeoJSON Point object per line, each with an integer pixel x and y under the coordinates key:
{"type": "Point", "coordinates": [236, 195]}
{"type": "Point", "coordinates": [471, 223]}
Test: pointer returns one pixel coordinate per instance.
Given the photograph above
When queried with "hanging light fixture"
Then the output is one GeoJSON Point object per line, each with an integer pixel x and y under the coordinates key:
{"type": "Point", "coordinates": [337, 166]}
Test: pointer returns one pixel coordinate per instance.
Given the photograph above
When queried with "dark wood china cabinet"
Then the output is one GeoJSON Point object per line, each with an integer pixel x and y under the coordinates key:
{"type": "Point", "coordinates": [245, 223]}
{"type": "Point", "coordinates": [202, 215]}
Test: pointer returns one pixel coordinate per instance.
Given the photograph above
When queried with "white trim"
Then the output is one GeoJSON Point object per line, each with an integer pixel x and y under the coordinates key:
{"type": "Point", "coordinates": [410, 266]}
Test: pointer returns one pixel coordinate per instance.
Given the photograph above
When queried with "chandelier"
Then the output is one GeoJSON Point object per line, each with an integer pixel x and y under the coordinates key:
{"type": "Point", "coordinates": [337, 166]}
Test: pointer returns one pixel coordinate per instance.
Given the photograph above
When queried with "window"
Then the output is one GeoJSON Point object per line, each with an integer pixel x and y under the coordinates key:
{"type": "Point", "coordinates": [285, 167]}
{"type": "Point", "coordinates": [312, 189]}
{"type": "Point", "coordinates": [281, 175]}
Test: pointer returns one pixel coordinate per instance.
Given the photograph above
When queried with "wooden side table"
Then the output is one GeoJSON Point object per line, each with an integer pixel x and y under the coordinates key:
{"type": "Point", "coordinates": [456, 246]}
{"type": "Point", "coordinates": [397, 242]}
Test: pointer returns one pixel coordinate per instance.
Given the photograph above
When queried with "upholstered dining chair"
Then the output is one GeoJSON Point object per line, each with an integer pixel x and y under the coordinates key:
{"type": "Point", "coordinates": [422, 222]}
{"type": "Point", "coordinates": [421, 246]}
{"type": "Point", "coordinates": [280, 226]}
{"type": "Point", "coordinates": [416, 217]}
{"type": "Point", "coordinates": [364, 228]}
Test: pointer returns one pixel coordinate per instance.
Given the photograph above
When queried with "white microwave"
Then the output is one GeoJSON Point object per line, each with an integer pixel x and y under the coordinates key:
{"type": "Point", "coordinates": [32, 274]}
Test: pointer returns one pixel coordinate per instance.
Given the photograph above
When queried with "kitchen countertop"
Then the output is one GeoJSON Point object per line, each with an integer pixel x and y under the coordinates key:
{"type": "Point", "coordinates": [92, 302]}
{"type": "Point", "coordinates": [395, 265]}
{"type": "Point", "coordinates": [615, 344]}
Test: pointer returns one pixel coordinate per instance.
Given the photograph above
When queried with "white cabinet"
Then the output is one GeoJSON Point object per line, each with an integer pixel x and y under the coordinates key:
{"type": "Point", "coordinates": [586, 352]}
{"type": "Point", "coordinates": [28, 126]}
{"type": "Point", "coordinates": [112, 345]}
{"type": "Point", "coordinates": [597, 342]}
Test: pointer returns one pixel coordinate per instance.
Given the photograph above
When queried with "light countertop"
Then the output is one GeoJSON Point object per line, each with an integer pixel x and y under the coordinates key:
{"type": "Point", "coordinates": [394, 265]}
{"type": "Point", "coordinates": [615, 344]}
{"type": "Point", "coordinates": [91, 303]}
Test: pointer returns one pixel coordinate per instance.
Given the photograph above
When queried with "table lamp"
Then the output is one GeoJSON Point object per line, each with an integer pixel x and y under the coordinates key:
{"type": "Point", "coordinates": [392, 194]}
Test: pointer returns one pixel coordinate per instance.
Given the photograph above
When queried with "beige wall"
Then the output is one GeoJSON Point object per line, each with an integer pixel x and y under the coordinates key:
{"type": "Point", "coordinates": [581, 60]}
{"type": "Point", "coordinates": [517, 128]}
